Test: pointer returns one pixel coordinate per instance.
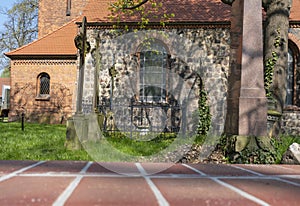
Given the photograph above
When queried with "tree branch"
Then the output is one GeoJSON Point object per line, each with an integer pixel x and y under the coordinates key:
{"type": "Point", "coordinates": [228, 2]}
{"type": "Point", "coordinates": [134, 6]}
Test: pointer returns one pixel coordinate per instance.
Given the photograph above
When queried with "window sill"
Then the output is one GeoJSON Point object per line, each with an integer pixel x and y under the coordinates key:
{"type": "Point", "coordinates": [43, 98]}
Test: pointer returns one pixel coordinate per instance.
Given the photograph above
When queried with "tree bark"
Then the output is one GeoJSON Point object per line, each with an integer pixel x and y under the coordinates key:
{"type": "Point", "coordinates": [276, 46]}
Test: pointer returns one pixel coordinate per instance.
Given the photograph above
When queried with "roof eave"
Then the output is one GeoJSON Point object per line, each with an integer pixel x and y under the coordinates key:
{"type": "Point", "coordinates": [181, 24]}
{"type": "Point", "coordinates": [41, 56]}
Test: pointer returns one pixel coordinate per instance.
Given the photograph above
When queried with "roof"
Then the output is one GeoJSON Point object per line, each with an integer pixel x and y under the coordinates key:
{"type": "Point", "coordinates": [197, 11]}
{"type": "Point", "coordinates": [3, 81]}
{"type": "Point", "coordinates": [60, 42]}
{"type": "Point", "coordinates": [97, 11]}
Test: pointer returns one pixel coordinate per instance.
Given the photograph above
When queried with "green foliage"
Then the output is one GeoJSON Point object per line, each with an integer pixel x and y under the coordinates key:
{"type": "Point", "coordinates": [282, 144]}
{"type": "Point", "coordinates": [36, 142]}
{"type": "Point", "coordinates": [270, 64]}
{"type": "Point", "coordinates": [259, 156]}
{"type": "Point", "coordinates": [20, 27]}
{"type": "Point", "coordinates": [137, 146]}
{"type": "Point", "coordinates": [5, 73]}
{"type": "Point", "coordinates": [204, 114]}
{"type": "Point", "coordinates": [144, 10]}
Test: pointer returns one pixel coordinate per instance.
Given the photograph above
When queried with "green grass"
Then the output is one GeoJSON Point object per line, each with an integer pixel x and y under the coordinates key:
{"type": "Point", "coordinates": [36, 142]}
{"type": "Point", "coordinates": [46, 142]}
{"type": "Point", "coordinates": [282, 144]}
{"type": "Point", "coordinates": [123, 147]}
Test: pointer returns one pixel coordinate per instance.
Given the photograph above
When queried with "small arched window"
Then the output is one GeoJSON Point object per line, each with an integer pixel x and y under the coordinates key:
{"type": "Point", "coordinates": [43, 85]}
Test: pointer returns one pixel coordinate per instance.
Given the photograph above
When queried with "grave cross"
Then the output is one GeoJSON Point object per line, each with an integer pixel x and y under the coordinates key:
{"type": "Point", "coordinates": [84, 47]}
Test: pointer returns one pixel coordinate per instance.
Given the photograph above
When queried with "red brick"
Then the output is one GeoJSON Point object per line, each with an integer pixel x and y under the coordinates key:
{"type": "Point", "coordinates": [271, 191]}
{"type": "Point", "coordinates": [32, 190]}
{"type": "Point", "coordinates": [198, 192]}
{"type": "Point", "coordinates": [112, 191]}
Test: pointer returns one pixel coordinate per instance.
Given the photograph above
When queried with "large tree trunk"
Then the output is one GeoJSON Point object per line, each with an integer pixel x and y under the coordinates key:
{"type": "Point", "coordinates": [276, 50]}
{"type": "Point", "coordinates": [276, 46]}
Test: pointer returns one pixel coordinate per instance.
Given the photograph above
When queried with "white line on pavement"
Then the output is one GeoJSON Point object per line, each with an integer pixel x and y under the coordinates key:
{"type": "Point", "coordinates": [20, 171]}
{"type": "Point", "coordinates": [231, 187]}
{"type": "Point", "coordinates": [160, 198]}
{"type": "Point", "coordinates": [274, 177]}
{"type": "Point", "coordinates": [72, 186]}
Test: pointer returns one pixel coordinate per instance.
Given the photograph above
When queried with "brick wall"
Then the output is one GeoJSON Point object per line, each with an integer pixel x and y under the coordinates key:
{"type": "Point", "coordinates": [52, 14]}
{"type": "Point", "coordinates": [24, 83]}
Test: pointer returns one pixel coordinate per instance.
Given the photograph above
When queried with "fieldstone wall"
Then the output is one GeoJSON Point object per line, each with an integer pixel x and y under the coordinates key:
{"type": "Point", "coordinates": [291, 122]}
{"type": "Point", "coordinates": [197, 57]}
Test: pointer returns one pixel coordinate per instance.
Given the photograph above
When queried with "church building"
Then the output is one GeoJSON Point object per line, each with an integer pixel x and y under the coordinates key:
{"type": "Point", "coordinates": [137, 74]}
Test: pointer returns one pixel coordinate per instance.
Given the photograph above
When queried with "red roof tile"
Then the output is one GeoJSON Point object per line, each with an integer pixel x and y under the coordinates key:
{"type": "Point", "coordinates": [59, 42]}
{"type": "Point", "coordinates": [184, 10]}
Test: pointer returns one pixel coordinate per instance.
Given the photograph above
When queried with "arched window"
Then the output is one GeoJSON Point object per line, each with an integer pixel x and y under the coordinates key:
{"type": "Point", "coordinates": [293, 76]}
{"type": "Point", "coordinates": [290, 79]}
{"type": "Point", "coordinates": [153, 72]}
{"type": "Point", "coordinates": [43, 85]}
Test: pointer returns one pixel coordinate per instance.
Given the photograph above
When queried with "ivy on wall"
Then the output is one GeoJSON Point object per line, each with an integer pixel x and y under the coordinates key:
{"type": "Point", "coordinates": [270, 64]}
{"type": "Point", "coordinates": [204, 113]}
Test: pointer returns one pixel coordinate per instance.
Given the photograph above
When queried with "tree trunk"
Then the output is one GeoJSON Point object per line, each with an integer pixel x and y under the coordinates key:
{"type": "Point", "coordinates": [276, 47]}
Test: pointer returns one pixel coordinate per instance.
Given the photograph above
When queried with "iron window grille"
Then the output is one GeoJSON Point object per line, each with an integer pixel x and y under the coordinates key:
{"type": "Point", "coordinates": [43, 85]}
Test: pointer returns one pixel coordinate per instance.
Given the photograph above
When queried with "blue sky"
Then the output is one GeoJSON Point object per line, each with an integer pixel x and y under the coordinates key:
{"type": "Point", "coordinates": [5, 4]}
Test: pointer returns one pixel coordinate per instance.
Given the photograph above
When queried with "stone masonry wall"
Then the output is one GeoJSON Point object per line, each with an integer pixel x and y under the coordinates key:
{"type": "Point", "coordinates": [291, 122]}
{"type": "Point", "coordinates": [202, 53]}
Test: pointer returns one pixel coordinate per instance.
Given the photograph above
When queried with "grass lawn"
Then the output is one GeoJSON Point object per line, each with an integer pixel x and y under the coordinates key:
{"type": "Point", "coordinates": [36, 142]}
{"type": "Point", "coordinates": [46, 142]}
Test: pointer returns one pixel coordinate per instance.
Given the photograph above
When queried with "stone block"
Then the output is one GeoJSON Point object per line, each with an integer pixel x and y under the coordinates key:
{"type": "Point", "coordinates": [292, 155]}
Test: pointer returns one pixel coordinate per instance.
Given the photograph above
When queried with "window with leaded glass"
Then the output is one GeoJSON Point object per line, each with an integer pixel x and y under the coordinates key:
{"type": "Point", "coordinates": [290, 79]}
{"type": "Point", "coordinates": [43, 85]}
{"type": "Point", "coordinates": [153, 75]}
{"type": "Point", "coordinates": [293, 76]}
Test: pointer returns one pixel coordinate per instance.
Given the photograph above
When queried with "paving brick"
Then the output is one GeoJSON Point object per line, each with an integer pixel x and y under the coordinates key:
{"type": "Point", "coordinates": [166, 168]}
{"type": "Point", "coordinates": [271, 191]}
{"type": "Point", "coordinates": [122, 168]}
{"type": "Point", "coordinates": [273, 169]}
{"type": "Point", "coordinates": [45, 183]}
{"type": "Point", "coordinates": [8, 166]}
{"type": "Point", "coordinates": [32, 190]}
{"type": "Point", "coordinates": [112, 191]}
{"type": "Point", "coordinates": [198, 192]}
{"type": "Point", "coordinates": [99, 169]}
{"type": "Point", "coordinates": [58, 166]}
{"type": "Point", "coordinates": [220, 170]}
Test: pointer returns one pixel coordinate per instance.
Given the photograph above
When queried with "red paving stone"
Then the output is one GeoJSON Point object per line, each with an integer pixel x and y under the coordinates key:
{"type": "Point", "coordinates": [156, 168]}
{"type": "Point", "coordinates": [90, 183]}
{"type": "Point", "coordinates": [58, 166]}
{"type": "Point", "coordinates": [272, 169]}
{"type": "Point", "coordinates": [220, 170]}
{"type": "Point", "coordinates": [112, 191]}
{"type": "Point", "coordinates": [272, 191]}
{"type": "Point", "coordinates": [198, 192]}
{"type": "Point", "coordinates": [32, 190]}
{"type": "Point", "coordinates": [8, 166]}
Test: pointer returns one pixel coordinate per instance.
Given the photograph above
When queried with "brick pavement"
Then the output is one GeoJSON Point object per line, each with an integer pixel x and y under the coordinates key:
{"type": "Point", "coordinates": [91, 183]}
